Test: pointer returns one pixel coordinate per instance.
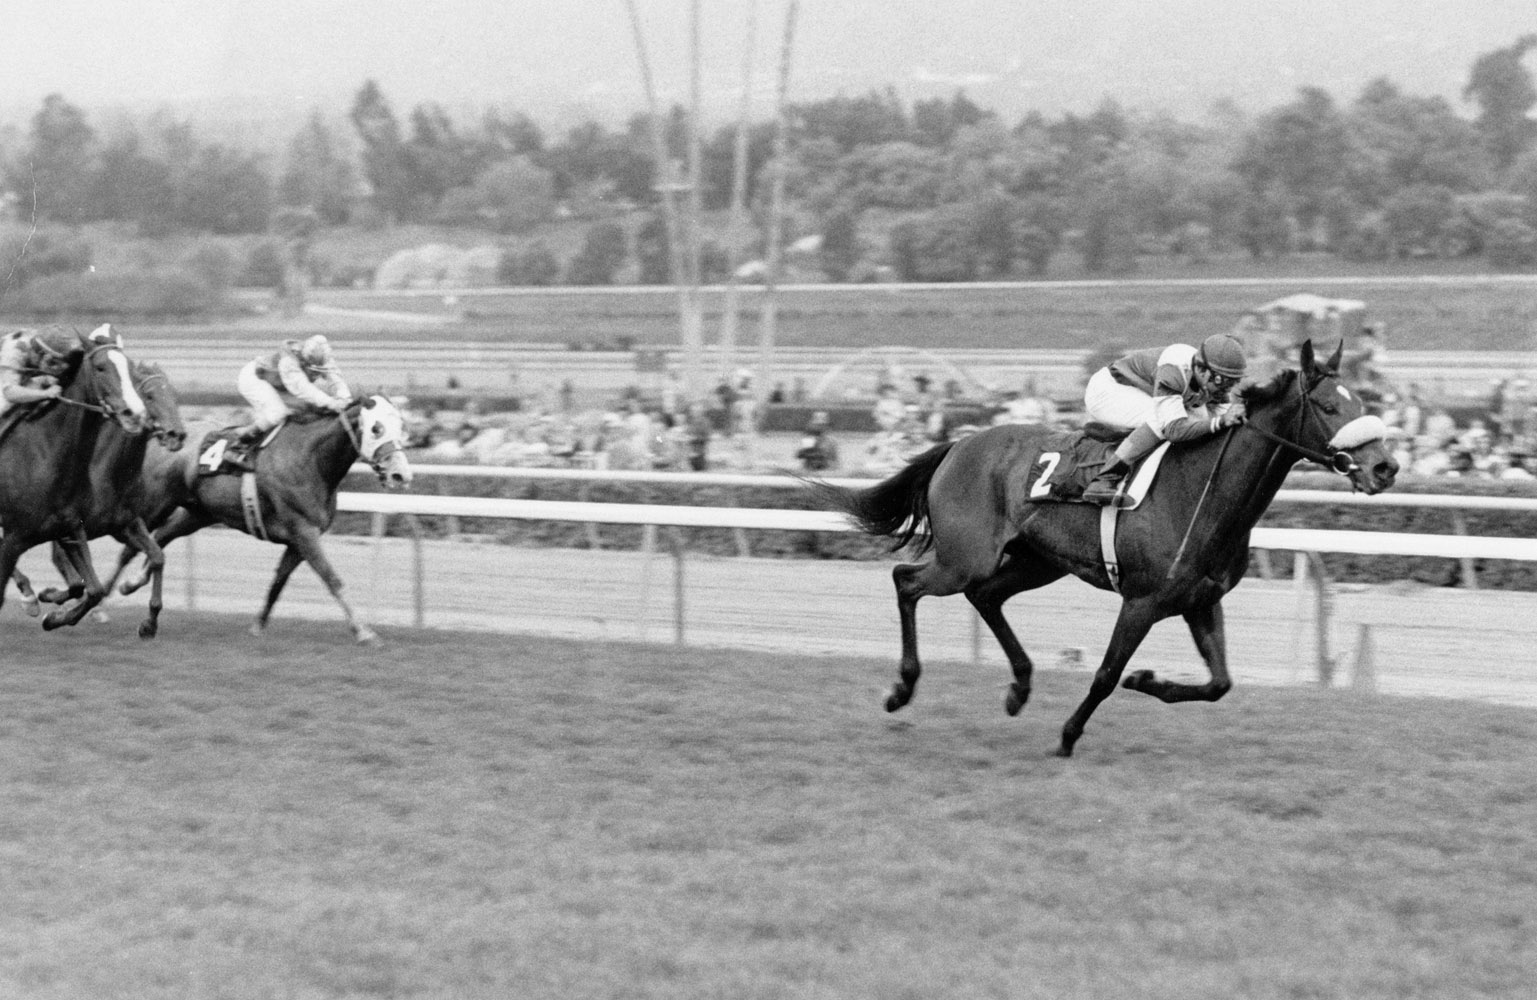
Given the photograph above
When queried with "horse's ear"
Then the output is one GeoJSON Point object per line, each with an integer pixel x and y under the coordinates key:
{"type": "Point", "coordinates": [1334, 359]}
{"type": "Point", "coordinates": [1307, 356]}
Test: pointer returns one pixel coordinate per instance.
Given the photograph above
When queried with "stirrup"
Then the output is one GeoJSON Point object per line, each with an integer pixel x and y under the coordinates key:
{"type": "Point", "coordinates": [1102, 492]}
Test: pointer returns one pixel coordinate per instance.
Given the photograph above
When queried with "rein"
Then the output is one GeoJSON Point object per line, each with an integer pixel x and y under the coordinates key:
{"type": "Point", "coordinates": [1196, 516]}
{"type": "Point", "coordinates": [1340, 460]}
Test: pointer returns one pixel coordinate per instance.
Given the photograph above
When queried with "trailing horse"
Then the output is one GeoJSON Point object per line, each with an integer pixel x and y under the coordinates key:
{"type": "Point", "coordinates": [116, 502]}
{"type": "Point", "coordinates": [287, 496]}
{"type": "Point", "coordinates": [983, 506]}
{"type": "Point", "coordinates": [46, 451]}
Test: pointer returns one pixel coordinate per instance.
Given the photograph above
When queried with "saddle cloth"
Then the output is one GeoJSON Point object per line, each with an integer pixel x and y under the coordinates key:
{"type": "Point", "coordinates": [222, 453]}
{"type": "Point", "coordinates": [1069, 460]}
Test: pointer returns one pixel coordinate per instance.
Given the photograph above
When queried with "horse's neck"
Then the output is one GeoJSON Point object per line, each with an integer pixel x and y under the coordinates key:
{"type": "Point", "coordinates": [1254, 469]}
{"type": "Point", "coordinates": [335, 452]}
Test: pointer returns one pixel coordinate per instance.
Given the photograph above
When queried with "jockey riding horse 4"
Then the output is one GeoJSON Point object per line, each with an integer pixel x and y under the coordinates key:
{"type": "Point", "coordinates": [287, 497]}
{"type": "Point", "coordinates": [46, 448]}
{"type": "Point", "coordinates": [116, 502]}
{"type": "Point", "coordinates": [982, 506]}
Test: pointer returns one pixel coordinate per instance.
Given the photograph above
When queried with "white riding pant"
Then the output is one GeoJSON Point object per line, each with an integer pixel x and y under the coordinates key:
{"type": "Point", "coordinates": [1125, 406]}
{"type": "Point", "coordinates": [268, 408]}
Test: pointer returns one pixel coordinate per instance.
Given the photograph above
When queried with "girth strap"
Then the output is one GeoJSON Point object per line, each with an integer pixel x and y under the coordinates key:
{"type": "Point", "coordinates": [1108, 516]}
{"type": "Point", "coordinates": [251, 507]}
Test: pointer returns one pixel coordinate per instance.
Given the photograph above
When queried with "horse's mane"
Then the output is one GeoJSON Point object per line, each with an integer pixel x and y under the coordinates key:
{"type": "Point", "coordinates": [1257, 394]}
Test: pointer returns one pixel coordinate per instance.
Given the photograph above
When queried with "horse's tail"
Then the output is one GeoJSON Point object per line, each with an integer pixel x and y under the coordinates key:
{"type": "Point", "coordinates": [896, 507]}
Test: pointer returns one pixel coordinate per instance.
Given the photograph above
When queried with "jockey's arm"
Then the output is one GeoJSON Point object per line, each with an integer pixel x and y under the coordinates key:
{"type": "Point", "coordinates": [300, 387]}
{"type": "Point", "coordinates": [1175, 423]}
{"type": "Point", "coordinates": [29, 394]}
{"type": "Point", "coordinates": [338, 388]}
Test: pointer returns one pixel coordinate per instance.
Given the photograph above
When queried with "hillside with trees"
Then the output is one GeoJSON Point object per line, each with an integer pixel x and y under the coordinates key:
{"type": "Point", "coordinates": [143, 216]}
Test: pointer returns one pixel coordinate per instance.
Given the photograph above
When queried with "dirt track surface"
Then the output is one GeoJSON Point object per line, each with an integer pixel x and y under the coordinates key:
{"type": "Point", "coordinates": [1422, 640]}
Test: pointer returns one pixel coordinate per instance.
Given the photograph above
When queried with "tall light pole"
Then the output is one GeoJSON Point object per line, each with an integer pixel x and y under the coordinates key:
{"type": "Point", "coordinates": [770, 320]}
{"type": "Point", "coordinates": [669, 186]}
{"type": "Point", "coordinates": [736, 237]}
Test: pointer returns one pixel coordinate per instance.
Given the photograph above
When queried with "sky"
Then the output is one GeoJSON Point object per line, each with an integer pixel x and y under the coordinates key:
{"type": "Point", "coordinates": [566, 60]}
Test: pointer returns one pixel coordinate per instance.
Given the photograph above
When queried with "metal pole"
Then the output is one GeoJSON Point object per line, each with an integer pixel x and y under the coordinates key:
{"type": "Point", "coordinates": [191, 581]}
{"type": "Point", "coordinates": [677, 587]}
{"type": "Point", "coordinates": [418, 574]}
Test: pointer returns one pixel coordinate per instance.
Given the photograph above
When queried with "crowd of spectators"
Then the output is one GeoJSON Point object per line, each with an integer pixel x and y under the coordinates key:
{"type": "Point", "coordinates": [660, 431]}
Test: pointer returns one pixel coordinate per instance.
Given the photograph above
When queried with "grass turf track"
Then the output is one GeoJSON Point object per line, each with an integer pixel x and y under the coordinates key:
{"type": "Point", "coordinates": [459, 816]}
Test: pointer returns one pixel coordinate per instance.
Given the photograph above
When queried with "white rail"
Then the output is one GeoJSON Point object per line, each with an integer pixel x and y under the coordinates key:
{"type": "Point", "coordinates": [673, 515]}
{"type": "Point", "coordinates": [1443, 501]}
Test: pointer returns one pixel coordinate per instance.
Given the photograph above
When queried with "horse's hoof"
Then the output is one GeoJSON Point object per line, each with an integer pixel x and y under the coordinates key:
{"type": "Point", "coordinates": [900, 695]}
{"type": "Point", "coordinates": [256, 629]}
{"type": "Point", "coordinates": [100, 617]}
{"type": "Point", "coordinates": [52, 621]}
{"type": "Point", "coordinates": [367, 636]}
{"type": "Point", "coordinates": [148, 630]}
{"type": "Point", "coordinates": [1137, 680]}
{"type": "Point", "coordinates": [34, 609]}
{"type": "Point", "coordinates": [1064, 751]}
{"type": "Point", "coordinates": [1015, 699]}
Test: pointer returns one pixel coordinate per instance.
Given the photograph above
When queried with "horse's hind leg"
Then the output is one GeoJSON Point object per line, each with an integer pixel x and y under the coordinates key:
{"type": "Point", "coordinates": [1206, 627]}
{"type": "Point", "coordinates": [1131, 627]}
{"type": "Point", "coordinates": [287, 563]}
{"type": "Point", "coordinates": [915, 580]}
{"type": "Point", "coordinates": [987, 597]}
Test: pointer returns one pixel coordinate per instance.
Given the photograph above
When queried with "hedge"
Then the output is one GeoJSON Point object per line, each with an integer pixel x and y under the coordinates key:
{"type": "Point", "coordinates": [1495, 574]}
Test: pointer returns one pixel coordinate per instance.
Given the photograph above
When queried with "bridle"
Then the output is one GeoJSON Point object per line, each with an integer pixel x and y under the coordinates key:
{"type": "Point", "coordinates": [94, 407]}
{"type": "Point", "coordinates": [355, 435]}
{"type": "Point", "coordinates": [1338, 459]}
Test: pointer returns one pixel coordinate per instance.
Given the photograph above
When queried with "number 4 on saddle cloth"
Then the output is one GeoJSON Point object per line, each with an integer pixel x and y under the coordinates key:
{"type": "Point", "coordinates": [1066, 461]}
{"type": "Point", "coordinates": [223, 453]}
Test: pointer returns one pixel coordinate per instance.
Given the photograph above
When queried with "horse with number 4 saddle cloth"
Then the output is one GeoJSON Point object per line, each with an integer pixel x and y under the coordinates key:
{"type": "Point", "coordinates": [282, 491]}
{"type": "Point", "coordinates": [995, 513]}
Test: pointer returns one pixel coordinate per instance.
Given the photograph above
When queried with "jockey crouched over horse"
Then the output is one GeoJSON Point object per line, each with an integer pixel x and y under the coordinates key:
{"type": "Point", "coordinates": [277, 477]}
{"type": "Point", "coordinates": [1013, 508]}
{"type": "Point", "coordinates": [62, 397]}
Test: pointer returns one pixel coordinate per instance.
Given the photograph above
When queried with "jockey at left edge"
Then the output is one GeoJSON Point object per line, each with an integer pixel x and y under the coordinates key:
{"type": "Point", "coordinates": [31, 364]}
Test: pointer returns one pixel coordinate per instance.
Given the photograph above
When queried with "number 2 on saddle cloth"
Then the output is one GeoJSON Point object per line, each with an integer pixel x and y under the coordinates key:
{"type": "Point", "coordinates": [1065, 462]}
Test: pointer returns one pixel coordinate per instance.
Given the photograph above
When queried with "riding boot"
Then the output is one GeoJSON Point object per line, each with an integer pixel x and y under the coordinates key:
{"type": "Point", "coordinates": [250, 433]}
{"type": "Point", "coordinates": [1137, 445]}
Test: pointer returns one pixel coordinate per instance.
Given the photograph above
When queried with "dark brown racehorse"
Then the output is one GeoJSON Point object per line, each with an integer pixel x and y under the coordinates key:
{"type": "Point", "coordinates": [1183, 548]}
{"type": "Point", "coordinates": [116, 502]}
{"type": "Point", "coordinates": [297, 476]}
{"type": "Point", "coordinates": [46, 455]}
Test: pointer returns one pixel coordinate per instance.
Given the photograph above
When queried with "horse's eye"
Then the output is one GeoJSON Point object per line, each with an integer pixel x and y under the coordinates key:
{"type": "Point", "coordinates": [1328, 406]}
{"type": "Point", "coordinates": [378, 429]}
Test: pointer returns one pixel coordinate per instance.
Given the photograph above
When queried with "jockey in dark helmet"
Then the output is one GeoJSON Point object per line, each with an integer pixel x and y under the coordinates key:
{"type": "Point", "coordinates": [1177, 393]}
{"type": "Point", "coordinates": [297, 374]}
{"type": "Point", "coordinates": [31, 364]}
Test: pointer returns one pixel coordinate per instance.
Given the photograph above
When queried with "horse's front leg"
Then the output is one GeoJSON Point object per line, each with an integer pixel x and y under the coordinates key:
{"type": "Point", "coordinates": [24, 587]}
{"type": "Point", "coordinates": [1131, 627]}
{"type": "Point", "coordinates": [74, 583]}
{"type": "Point", "coordinates": [138, 538]}
{"type": "Point", "coordinates": [1206, 627]}
{"type": "Point", "coordinates": [306, 547]}
{"type": "Point", "coordinates": [78, 548]}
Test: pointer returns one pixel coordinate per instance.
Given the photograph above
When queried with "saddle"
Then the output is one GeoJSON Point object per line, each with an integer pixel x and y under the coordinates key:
{"type": "Point", "coordinates": [222, 453]}
{"type": "Point", "coordinates": [1067, 461]}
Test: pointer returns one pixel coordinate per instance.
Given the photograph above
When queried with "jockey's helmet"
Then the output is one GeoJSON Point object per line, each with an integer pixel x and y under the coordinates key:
{"type": "Point", "coordinates": [52, 346]}
{"type": "Point", "coordinates": [1223, 355]}
{"type": "Point", "coordinates": [315, 352]}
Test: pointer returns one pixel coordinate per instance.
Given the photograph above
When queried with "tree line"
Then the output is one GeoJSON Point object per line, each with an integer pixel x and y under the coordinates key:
{"type": "Point", "coordinates": [939, 190]}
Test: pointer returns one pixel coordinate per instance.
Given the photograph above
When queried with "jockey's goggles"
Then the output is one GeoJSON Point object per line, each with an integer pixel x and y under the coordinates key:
{"type": "Point", "coordinates": [1217, 380]}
